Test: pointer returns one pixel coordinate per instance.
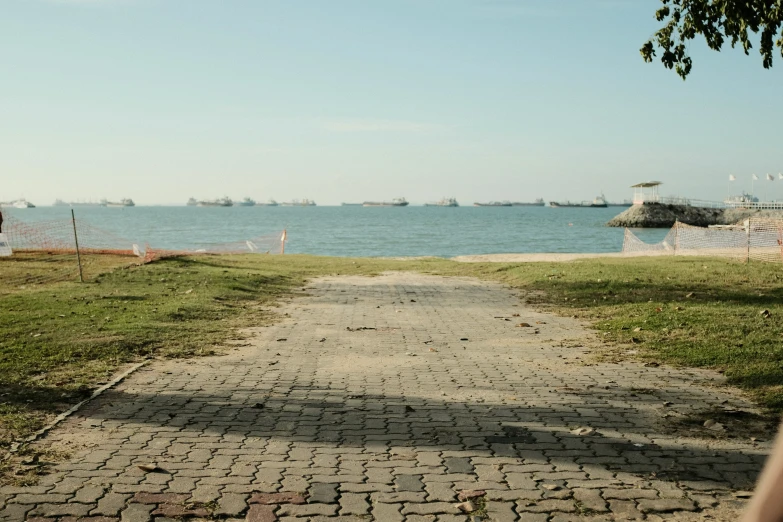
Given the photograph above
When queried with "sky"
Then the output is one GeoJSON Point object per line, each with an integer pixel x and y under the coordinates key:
{"type": "Point", "coordinates": [350, 100]}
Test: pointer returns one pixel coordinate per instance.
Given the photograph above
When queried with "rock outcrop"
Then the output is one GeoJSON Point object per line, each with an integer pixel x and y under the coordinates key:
{"type": "Point", "coordinates": [657, 215]}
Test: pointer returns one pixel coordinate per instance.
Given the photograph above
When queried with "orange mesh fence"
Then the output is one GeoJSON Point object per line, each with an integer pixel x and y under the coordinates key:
{"type": "Point", "coordinates": [45, 251]}
{"type": "Point", "coordinates": [755, 239]}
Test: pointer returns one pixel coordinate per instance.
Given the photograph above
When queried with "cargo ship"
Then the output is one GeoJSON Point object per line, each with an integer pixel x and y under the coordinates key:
{"type": "Point", "coordinates": [539, 202]}
{"type": "Point", "coordinates": [299, 203]}
{"type": "Point", "coordinates": [124, 202]}
{"type": "Point", "coordinates": [494, 204]}
{"type": "Point", "coordinates": [445, 202]}
{"type": "Point", "coordinates": [61, 203]}
{"type": "Point", "coordinates": [396, 202]}
{"type": "Point", "coordinates": [221, 202]}
{"type": "Point", "coordinates": [598, 202]}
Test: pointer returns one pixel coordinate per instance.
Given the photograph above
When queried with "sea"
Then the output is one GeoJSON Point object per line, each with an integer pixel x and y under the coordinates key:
{"type": "Point", "coordinates": [357, 231]}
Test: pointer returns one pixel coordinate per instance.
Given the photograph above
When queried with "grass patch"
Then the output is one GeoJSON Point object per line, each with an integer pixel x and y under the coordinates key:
{"type": "Point", "coordinates": [59, 341]}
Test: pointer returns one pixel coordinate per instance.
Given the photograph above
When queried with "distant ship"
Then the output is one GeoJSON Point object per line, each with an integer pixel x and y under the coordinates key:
{"type": "Point", "coordinates": [221, 202]}
{"type": "Point", "coordinates": [299, 203]}
{"type": "Point", "coordinates": [61, 203]}
{"type": "Point", "coordinates": [19, 203]}
{"type": "Point", "coordinates": [247, 202]}
{"type": "Point", "coordinates": [494, 204]}
{"type": "Point", "coordinates": [397, 202]}
{"type": "Point", "coordinates": [625, 203]}
{"type": "Point", "coordinates": [125, 202]}
{"type": "Point", "coordinates": [539, 202]}
{"type": "Point", "coordinates": [270, 203]}
{"type": "Point", "coordinates": [445, 202]}
{"type": "Point", "coordinates": [598, 202]}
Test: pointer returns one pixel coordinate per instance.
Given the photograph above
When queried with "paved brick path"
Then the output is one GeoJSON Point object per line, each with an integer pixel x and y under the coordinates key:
{"type": "Point", "coordinates": [383, 399]}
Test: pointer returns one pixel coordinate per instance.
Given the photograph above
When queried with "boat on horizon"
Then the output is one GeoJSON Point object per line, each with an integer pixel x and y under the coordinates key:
{"type": "Point", "coordinates": [270, 203]}
{"type": "Point", "coordinates": [61, 203]}
{"type": "Point", "coordinates": [598, 202]}
{"type": "Point", "coordinates": [445, 202]}
{"type": "Point", "coordinates": [625, 203]}
{"type": "Point", "coordinates": [220, 202]}
{"type": "Point", "coordinates": [396, 202]}
{"type": "Point", "coordinates": [493, 204]}
{"type": "Point", "coordinates": [299, 203]}
{"type": "Point", "coordinates": [247, 202]}
{"type": "Point", "coordinates": [124, 202]}
{"type": "Point", "coordinates": [538, 202]}
{"type": "Point", "coordinates": [19, 203]}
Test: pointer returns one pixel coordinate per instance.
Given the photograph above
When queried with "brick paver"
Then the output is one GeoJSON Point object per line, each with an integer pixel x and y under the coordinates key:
{"type": "Point", "coordinates": [384, 398]}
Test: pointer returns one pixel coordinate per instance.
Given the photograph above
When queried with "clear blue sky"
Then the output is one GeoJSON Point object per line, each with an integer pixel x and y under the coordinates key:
{"type": "Point", "coordinates": [347, 100]}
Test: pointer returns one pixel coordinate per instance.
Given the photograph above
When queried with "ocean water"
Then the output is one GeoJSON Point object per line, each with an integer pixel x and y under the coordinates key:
{"type": "Point", "coordinates": [359, 231]}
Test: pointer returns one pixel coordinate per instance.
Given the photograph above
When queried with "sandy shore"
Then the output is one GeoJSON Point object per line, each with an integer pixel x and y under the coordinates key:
{"type": "Point", "coordinates": [530, 258]}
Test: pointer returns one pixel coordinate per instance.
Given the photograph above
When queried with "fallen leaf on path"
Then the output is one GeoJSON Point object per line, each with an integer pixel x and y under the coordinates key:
{"type": "Point", "coordinates": [713, 425]}
{"type": "Point", "coordinates": [466, 507]}
{"type": "Point", "coordinates": [540, 322]}
{"type": "Point", "coordinates": [468, 494]}
{"type": "Point", "coordinates": [149, 468]}
{"type": "Point", "coordinates": [524, 325]}
{"type": "Point", "coordinates": [551, 487]}
{"type": "Point", "coordinates": [583, 431]}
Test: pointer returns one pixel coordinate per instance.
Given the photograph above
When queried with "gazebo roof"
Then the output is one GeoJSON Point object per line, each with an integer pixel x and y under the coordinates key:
{"type": "Point", "coordinates": [647, 184]}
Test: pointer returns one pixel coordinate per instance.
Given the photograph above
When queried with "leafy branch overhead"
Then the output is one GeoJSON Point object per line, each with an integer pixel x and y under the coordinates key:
{"type": "Point", "coordinates": [717, 21]}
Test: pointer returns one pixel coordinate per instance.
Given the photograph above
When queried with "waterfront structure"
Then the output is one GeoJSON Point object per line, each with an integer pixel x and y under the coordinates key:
{"type": "Point", "coordinates": [646, 192]}
{"type": "Point", "coordinates": [299, 203]}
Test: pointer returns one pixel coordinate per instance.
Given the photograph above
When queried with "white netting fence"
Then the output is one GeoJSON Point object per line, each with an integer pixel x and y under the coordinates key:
{"type": "Point", "coordinates": [756, 239]}
{"type": "Point", "coordinates": [36, 252]}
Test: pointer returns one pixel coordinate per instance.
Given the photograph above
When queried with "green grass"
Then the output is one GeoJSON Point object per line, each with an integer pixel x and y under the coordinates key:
{"type": "Point", "coordinates": [59, 341]}
{"type": "Point", "coordinates": [690, 311]}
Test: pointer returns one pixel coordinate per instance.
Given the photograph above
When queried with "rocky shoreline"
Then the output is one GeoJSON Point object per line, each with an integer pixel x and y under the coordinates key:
{"type": "Point", "coordinates": [657, 215]}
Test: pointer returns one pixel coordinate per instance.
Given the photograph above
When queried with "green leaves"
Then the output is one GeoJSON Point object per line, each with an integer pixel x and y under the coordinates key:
{"type": "Point", "coordinates": [716, 21]}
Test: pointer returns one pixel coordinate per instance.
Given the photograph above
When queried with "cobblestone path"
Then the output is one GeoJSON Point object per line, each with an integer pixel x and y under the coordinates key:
{"type": "Point", "coordinates": [384, 399]}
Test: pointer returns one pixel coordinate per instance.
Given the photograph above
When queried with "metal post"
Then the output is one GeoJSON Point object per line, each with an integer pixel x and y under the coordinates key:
{"type": "Point", "coordinates": [676, 235]}
{"type": "Point", "coordinates": [76, 240]}
{"type": "Point", "coordinates": [282, 241]}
